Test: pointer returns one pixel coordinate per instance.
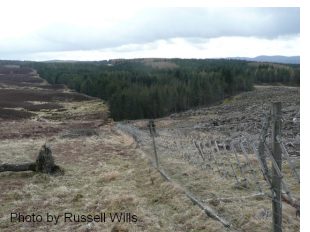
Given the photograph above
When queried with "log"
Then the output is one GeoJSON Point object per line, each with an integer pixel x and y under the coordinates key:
{"type": "Point", "coordinates": [18, 167]}
{"type": "Point", "coordinates": [44, 163]}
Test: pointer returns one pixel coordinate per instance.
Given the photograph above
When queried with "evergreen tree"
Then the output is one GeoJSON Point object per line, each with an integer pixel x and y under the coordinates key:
{"type": "Point", "coordinates": [135, 90]}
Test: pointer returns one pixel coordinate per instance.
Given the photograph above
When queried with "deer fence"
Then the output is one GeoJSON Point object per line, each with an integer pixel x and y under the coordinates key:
{"type": "Point", "coordinates": [233, 179]}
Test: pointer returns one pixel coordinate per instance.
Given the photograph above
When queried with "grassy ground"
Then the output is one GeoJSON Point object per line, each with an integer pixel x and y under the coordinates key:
{"type": "Point", "coordinates": [104, 174]}
{"type": "Point", "coordinates": [238, 204]}
{"type": "Point", "coordinates": [237, 117]}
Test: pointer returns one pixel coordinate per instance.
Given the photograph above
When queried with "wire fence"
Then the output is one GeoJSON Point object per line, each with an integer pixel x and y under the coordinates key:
{"type": "Point", "coordinates": [232, 178]}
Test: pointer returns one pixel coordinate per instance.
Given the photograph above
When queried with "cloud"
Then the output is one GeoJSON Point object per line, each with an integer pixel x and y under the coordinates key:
{"type": "Point", "coordinates": [166, 23]}
{"type": "Point", "coordinates": [179, 48]}
{"type": "Point", "coordinates": [144, 27]}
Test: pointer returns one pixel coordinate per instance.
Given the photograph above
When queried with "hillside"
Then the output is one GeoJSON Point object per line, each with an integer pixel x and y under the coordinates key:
{"type": "Point", "coordinates": [105, 173]}
{"type": "Point", "coordinates": [108, 171]}
{"type": "Point", "coordinates": [211, 152]}
{"type": "Point", "coordinates": [243, 113]}
{"type": "Point", "coordinates": [272, 59]}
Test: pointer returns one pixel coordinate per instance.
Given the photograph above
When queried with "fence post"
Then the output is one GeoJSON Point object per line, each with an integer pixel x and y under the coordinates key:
{"type": "Point", "coordinates": [261, 147]}
{"type": "Point", "coordinates": [151, 125]}
{"type": "Point", "coordinates": [276, 115]}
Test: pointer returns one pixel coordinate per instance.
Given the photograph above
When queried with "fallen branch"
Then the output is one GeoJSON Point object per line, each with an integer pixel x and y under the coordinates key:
{"type": "Point", "coordinates": [295, 203]}
{"type": "Point", "coordinates": [18, 167]}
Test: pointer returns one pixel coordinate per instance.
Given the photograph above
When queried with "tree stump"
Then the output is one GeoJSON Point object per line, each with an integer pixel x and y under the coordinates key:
{"type": "Point", "coordinates": [44, 163]}
{"type": "Point", "coordinates": [45, 160]}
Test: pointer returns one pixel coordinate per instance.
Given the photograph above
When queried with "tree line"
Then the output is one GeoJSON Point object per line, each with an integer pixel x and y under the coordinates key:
{"type": "Point", "coordinates": [136, 90]}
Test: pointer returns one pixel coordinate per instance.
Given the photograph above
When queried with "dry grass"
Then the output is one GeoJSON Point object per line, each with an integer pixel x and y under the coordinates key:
{"type": "Point", "coordinates": [104, 175]}
{"type": "Point", "coordinates": [232, 202]}
{"type": "Point", "coordinates": [108, 174]}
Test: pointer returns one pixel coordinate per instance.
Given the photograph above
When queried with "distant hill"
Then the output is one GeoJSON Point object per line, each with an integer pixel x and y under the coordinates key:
{"type": "Point", "coordinates": [273, 59]}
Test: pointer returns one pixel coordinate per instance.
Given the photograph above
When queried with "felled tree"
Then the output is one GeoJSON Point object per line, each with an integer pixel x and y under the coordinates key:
{"type": "Point", "coordinates": [44, 163]}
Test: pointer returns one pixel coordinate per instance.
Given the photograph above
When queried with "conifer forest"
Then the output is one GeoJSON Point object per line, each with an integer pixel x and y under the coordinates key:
{"type": "Point", "coordinates": [153, 88]}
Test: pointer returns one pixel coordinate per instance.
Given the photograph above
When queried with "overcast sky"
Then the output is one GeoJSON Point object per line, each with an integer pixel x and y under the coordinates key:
{"type": "Point", "coordinates": [91, 30]}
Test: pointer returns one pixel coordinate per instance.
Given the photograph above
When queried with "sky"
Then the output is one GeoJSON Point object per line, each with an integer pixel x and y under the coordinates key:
{"type": "Point", "coordinates": [95, 30]}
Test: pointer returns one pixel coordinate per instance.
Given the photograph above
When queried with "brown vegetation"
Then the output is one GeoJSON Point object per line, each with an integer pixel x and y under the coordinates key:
{"type": "Point", "coordinates": [238, 117]}
{"type": "Point", "coordinates": [106, 173]}
{"type": "Point", "coordinates": [15, 114]}
{"type": "Point", "coordinates": [21, 96]}
{"type": "Point", "coordinates": [103, 173]}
